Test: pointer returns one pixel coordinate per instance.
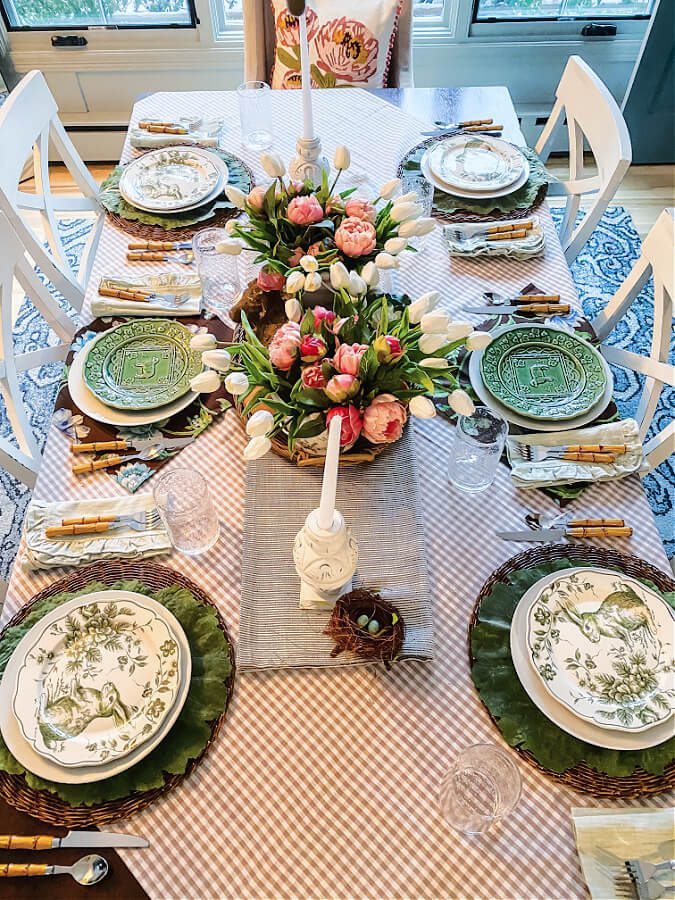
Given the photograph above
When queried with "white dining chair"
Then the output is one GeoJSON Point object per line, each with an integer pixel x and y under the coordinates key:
{"type": "Point", "coordinates": [656, 260]}
{"type": "Point", "coordinates": [592, 117]}
{"type": "Point", "coordinates": [29, 125]}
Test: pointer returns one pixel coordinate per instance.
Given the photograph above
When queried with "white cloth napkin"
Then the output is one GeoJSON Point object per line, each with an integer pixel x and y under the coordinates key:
{"type": "Point", "coordinates": [168, 283]}
{"type": "Point", "coordinates": [562, 471]}
{"type": "Point", "coordinates": [42, 552]}
{"type": "Point", "coordinates": [472, 243]}
{"type": "Point", "coordinates": [201, 133]}
{"type": "Point", "coordinates": [607, 837]}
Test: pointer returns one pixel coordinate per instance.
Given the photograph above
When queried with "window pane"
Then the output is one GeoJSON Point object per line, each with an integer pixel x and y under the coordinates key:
{"type": "Point", "coordinates": [74, 13]}
{"type": "Point", "coordinates": [553, 9]}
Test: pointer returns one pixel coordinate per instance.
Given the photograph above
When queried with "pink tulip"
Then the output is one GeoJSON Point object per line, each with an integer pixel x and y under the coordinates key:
{"type": "Point", "coordinates": [313, 377]}
{"type": "Point", "coordinates": [360, 209]}
{"type": "Point", "coordinates": [347, 358]}
{"type": "Point", "coordinates": [356, 237]}
{"type": "Point", "coordinates": [312, 348]}
{"type": "Point", "coordinates": [269, 280]}
{"type": "Point", "coordinates": [352, 422]}
{"type": "Point", "coordinates": [284, 346]}
{"type": "Point", "coordinates": [384, 419]}
{"type": "Point", "coordinates": [342, 387]}
{"type": "Point", "coordinates": [304, 210]}
{"type": "Point", "coordinates": [321, 314]}
{"type": "Point", "coordinates": [256, 198]}
{"type": "Point", "coordinates": [387, 348]}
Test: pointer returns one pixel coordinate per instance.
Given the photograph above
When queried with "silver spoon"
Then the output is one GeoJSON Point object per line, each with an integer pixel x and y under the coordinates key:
{"type": "Point", "coordinates": [87, 870]}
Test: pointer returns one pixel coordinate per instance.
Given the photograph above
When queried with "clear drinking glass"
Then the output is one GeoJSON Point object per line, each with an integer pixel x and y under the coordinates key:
{"type": "Point", "coordinates": [476, 450]}
{"type": "Point", "coordinates": [186, 507]}
{"type": "Point", "coordinates": [482, 786]}
{"type": "Point", "coordinates": [217, 272]}
{"type": "Point", "coordinates": [255, 114]}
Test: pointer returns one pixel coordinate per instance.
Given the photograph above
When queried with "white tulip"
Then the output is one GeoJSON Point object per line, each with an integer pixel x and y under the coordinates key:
{"type": "Point", "coordinates": [313, 282]}
{"type": "Point", "coordinates": [435, 362]}
{"type": "Point", "coordinates": [386, 261]}
{"type": "Point", "coordinates": [236, 383]}
{"type": "Point", "coordinates": [425, 226]}
{"type": "Point", "coordinates": [257, 447]}
{"type": "Point", "coordinates": [220, 360]}
{"type": "Point", "coordinates": [370, 274]}
{"type": "Point", "coordinates": [422, 408]}
{"type": "Point", "coordinates": [458, 331]}
{"type": "Point", "coordinates": [342, 159]}
{"type": "Point", "coordinates": [416, 227]}
{"type": "Point", "coordinates": [294, 283]}
{"type": "Point", "coordinates": [273, 164]}
{"type": "Point", "coordinates": [388, 189]}
{"type": "Point", "coordinates": [422, 305]}
{"type": "Point", "coordinates": [205, 382]}
{"type": "Point", "coordinates": [430, 343]}
{"type": "Point", "coordinates": [478, 340]}
{"type": "Point", "coordinates": [410, 197]}
{"type": "Point", "coordinates": [260, 423]}
{"type": "Point", "coordinates": [293, 307]}
{"type": "Point", "coordinates": [309, 263]}
{"type": "Point", "coordinates": [357, 285]}
{"type": "Point", "coordinates": [204, 341]}
{"type": "Point", "coordinates": [234, 195]}
{"type": "Point", "coordinates": [435, 323]}
{"type": "Point", "coordinates": [402, 212]}
{"type": "Point", "coordinates": [230, 225]}
{"type": "Point", "coordinates": [395, 245]}
{"type": "Point", "coordinates": [339, 276]}
{"type": "Point", "coordinates": [461, 403]}
{"type": "Point", "coordinates": [230, 247]}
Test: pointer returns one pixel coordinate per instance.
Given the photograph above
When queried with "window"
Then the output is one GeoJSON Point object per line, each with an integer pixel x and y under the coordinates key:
{"type": "Point", "coordinates": [491, 10]}
{"type": "Point", "coordinates": [428, 9]}
{"type": "Point", "coordinates": [54, 14]}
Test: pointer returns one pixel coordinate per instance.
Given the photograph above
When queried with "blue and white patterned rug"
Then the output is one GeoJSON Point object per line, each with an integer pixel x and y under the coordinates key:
{"type": "Point", "coordinates": [598, 271]}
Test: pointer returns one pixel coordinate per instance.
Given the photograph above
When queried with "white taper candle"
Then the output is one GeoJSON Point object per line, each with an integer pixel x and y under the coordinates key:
{"type": "Point", "coordinates": [307, 119]}
{"type": "Point", "coordinates": [330, 474]}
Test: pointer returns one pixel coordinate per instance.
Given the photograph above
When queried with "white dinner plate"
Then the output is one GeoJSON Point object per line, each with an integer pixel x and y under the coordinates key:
{"type": "Point", "coordinates": [215, 193]}
{"type": "Point", "coordinates": [470, 195]}
{"type": "Point", "coordinates": [90, 405]}
{"type": "Point", "coordinates": [45, 768]}
{"type": "Point", "coordinates": [170, 179]}
{"type": "Point", "coordinates": [583, 729]}
{"type": "Point", "coordinates": [474, 162]}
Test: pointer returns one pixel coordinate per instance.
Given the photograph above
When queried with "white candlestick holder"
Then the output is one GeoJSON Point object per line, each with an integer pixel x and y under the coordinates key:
{"type": "Point", "coordinates": [309, 163]}
{"type": "Point", "coordinates": [325, 560]}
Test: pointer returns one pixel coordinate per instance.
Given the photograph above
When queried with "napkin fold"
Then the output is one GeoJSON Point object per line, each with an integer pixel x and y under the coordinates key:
{"type": "Point", "coordinates": [562, 471]}
{"type": "Point", "coordinates": [41, 552]}
{"type": "Point", "coordinates": [201, 133]}
{"type": "Point", "coordinates": [472, 244]}
{"type": "Point", "coordinates": [167, 283]}
{"type": "Point", "coordinates": [607, 837]}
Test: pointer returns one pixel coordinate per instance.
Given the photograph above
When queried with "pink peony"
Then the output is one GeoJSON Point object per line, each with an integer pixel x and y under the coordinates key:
{"type": "Point", "coordinates": [387, 348]}
{"type": "Point", "coordinates": [360, 209]}
{"type": "Point", "coordinates": [384, 419]}
{"type": "Point", "coordinates": [321, 314]}
{"type": "Point", "coordinates": [313, 377]}
{"type": "Point", "coordinates": [295, 257]}
{"type": "Point", "coordinates": [347, 358]}
{"type": "Point", "coordinates": [288, 27]}
{"type": "Point", "coordinates": [256, 198]}
{"type": "Point", "coordinates": [342, 387]}
{"type": "Point", "coordinates": [352, 423]}
{"type": "Point", "coordinates": [312, 348]}
{"type": "Point", "coordinates": [304, 210]}
{"type": "Point", "coordinates": [347, 49]}
{"type": "Point", "coordinates": [284, 346]}
{"type": "Point", "coordinates": [269, 280]}
{"type": "Point", "coordinates": [356, 237]}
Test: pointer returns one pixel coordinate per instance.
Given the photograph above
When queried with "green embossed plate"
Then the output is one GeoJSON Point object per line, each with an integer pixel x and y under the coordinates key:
{"type": "Point", "coordinates": [543, 373]}
{"type": "Point", "coordinates": [142, 365]}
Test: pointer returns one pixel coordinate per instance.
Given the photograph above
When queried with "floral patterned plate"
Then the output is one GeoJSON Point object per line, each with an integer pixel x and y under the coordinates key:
{"type": "Point", "coordinates": [142, 364]}
{"type": "Point", "coordinates": [601, 643]}
{"type": "Point", "coordinates": [170, 179]}
{"type": "Point", "coordinates": [476, 163]}
{"type": "Point", "coordinates": [98, 677]}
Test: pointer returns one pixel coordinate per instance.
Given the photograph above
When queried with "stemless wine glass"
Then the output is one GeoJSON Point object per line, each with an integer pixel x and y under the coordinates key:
{"type": "Point", "coordinates": [186, 507]}
{"type": "Point", "coordinates": [481, 787]}
{"type": "Point", "coordinates": [476, 450]}
{"type": "Point", "coordinates": [217, 272]}
{"type": "Point", "coordinates": [255, 114]}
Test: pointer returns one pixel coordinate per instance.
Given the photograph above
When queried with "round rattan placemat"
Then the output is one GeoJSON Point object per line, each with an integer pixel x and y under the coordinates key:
{"type": "Point", "coordinates": [49, 807]}
{"type": "Point", "coordinates": [466, 216]}
{"type": "Point", "coordinates": [582, 777]}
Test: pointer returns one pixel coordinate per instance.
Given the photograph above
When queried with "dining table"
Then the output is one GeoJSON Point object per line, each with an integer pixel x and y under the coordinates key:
{"type": "Point", "coordinates": [325, 782]}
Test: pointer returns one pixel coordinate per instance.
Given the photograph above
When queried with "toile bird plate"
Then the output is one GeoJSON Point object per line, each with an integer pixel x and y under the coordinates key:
{"type": "Point", "coordinates": [601, 643]}
{"type": "Point", "coordinates": [171, 179]}
{"type": "Point", "coordinates": [97, 678]}
{"type": "Point", "coordinates": [142, 364]}
{"type": "Point", "coordinates": [476, 163]}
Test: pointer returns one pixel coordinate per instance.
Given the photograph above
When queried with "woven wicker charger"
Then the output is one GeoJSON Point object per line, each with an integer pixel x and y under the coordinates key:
{"type": "Point", "coordinates": [49, 807]}
{"type": "Point", "coordinates": [582, 777]}
{"type": "Point", "coordinates": [459, 216]}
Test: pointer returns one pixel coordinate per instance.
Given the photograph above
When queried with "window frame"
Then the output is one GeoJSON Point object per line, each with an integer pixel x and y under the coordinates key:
{"type": "Point", "coordinates": [76, 29]}
{"type": "Point", "coordinates": [533, 29]}
{"type": "Point", "coordinates": [604, 19]}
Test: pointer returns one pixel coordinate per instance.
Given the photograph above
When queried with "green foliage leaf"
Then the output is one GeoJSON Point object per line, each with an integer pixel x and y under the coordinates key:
{"type": "Point", "coordinates": [287, 58]}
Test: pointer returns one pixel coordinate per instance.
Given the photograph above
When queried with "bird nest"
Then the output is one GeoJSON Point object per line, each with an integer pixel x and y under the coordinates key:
{"type": "Point", "coordinates": [348, 628]}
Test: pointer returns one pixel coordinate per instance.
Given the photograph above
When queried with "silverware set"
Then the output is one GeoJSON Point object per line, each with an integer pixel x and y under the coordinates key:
{"type": "Point", "coordinates": [645, 881]}
{"type": "Point", "coordinates": [537, 304]}
{"type": "Point", "coordinates": [480, 126]}
{"type": "Point", "coordinates": [186, 259]}
{"type": "Point", "coordinates": [602, 453]}
{"type": "Point", "coordinates": [145, 449]}
{"type": "Point", "coordinates": [510, 232]}
{"type": "Point", "coordinates": [144, 521]}
{"type": "Point", "coordinates": [140, 295]}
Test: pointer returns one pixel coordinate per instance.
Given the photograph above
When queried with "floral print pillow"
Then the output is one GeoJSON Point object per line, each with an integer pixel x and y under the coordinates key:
{"type": "Point", "coordinates": [350, 43]}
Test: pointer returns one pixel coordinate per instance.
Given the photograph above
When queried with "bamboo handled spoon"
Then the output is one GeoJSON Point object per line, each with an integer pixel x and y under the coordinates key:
{"type": "Point", "coordinates": [86, 871]}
